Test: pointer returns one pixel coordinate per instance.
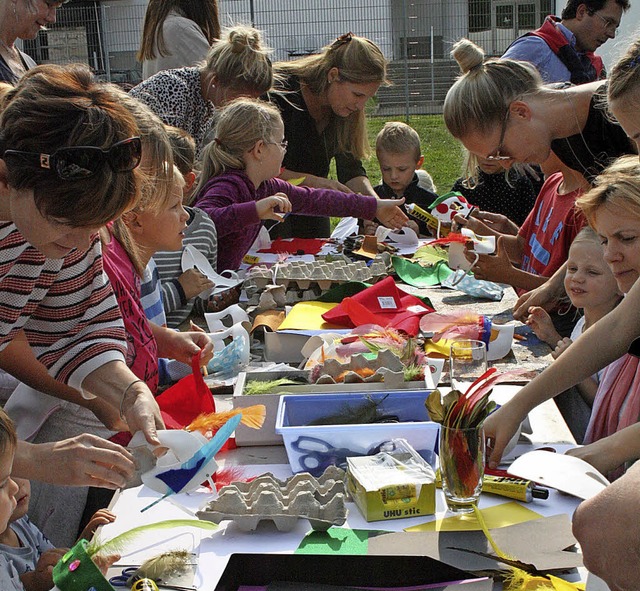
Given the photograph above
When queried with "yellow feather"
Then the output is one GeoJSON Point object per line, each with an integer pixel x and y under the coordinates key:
{"type": "Point", "coordinates": [252, 416]}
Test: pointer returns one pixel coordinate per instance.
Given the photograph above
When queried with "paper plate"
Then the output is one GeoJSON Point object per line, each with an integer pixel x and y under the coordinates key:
{"type": "Point", "coordinates": [565, 473]}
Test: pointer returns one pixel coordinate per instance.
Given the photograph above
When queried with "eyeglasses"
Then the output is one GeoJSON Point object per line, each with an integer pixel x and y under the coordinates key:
{"type": "Point", "coordinates": [81, 162]}
{"type": "Point", "coordinates": [609, 24]}
{"type": "Point", "coordinates": [496, 156]}
{"type": "Point", "coordinates": [283, 144]}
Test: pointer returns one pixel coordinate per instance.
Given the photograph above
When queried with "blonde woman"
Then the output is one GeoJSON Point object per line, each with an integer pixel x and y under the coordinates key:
{"type": "Point", "coordinates": [322, 99]}
{"type": "Point", "coordinates": [237, 65]}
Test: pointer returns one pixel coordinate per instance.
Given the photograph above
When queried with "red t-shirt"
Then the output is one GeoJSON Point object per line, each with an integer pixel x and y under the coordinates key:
{"type": "Point", "coordinates": [550, 228]}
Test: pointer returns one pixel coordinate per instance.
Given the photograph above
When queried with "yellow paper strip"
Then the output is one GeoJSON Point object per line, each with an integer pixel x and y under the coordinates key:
{"type": "Point", "coordinates": [498, 516]}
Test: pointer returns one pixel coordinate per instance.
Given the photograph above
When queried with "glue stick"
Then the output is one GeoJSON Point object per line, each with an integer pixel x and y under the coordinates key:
{"type": "Point", "coordinates": [513, 488]}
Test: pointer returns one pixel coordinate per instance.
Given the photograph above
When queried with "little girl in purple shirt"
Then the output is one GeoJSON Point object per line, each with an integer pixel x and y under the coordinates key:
{"type": "Point", "coordinates": [239, 188]}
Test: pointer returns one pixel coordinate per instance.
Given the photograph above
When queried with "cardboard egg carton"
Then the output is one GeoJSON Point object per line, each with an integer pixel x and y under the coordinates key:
{"type": "Point", "coordinates": [302, 276]}
{"type": "Point", "coordinates": [385, 367]}
{"type": "Point", "coordinates": [320, 500]}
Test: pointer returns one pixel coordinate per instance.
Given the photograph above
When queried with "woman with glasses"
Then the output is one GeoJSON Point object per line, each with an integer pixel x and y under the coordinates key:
{"type": "Point", "coordinates": [322, 98]}
{"type": "Point", "coordinates": [177, 33]}
{"type": "Point", "coordinates": [237, 65]}
{"type": "Point", "coordinates": [500, 110]}
{"type": "Point", "coordinates": [22, 19]}
{"type": "Point", "coordinates": [69, 152]}
{"type": "Point", "coordinates": [239, 186]}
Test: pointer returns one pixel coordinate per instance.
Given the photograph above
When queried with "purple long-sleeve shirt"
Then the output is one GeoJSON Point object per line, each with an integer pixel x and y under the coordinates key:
{"type": "Point", "coordinates": [230, 200]}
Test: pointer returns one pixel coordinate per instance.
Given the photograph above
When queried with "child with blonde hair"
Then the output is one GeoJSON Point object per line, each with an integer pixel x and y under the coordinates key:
{"type": "Point", "coordinates": [239, 188]}
{"type": "Point", "coordinates": [180, 290]}
{"type": "Point", "coordinates": [399, 154]}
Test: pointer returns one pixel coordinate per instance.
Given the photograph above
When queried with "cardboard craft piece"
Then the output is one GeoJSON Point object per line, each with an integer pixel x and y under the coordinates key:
{"type": "Point", "coordinates": [562, 472]}
{"type": "Point", "coordinates": [193, 258]}
{"type": "Point", "coordinates": [541, 542]}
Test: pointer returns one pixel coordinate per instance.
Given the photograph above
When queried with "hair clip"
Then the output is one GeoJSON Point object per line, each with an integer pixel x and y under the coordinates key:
{"type": "Point", "coordinates": [634, 62]}
{"type": "Point", "coordinates": [342, 40]}
{"type": "Point", "coordinates": [218, 142]}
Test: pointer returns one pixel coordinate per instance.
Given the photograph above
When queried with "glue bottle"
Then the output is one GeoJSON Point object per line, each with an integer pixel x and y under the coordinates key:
{"type": "Point", "coordinates": [144, 585]}
{"type": "Point", "coordinates": [513, 488]}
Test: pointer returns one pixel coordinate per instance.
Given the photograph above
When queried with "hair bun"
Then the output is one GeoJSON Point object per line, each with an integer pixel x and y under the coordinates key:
{"type": "Point", "coordinates": [241, 38]}
{"type": "Point", "coordinates": [468, 55]}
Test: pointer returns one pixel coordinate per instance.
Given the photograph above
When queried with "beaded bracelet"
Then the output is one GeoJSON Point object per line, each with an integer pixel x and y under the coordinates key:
{"type": "Point", "coordinates": [124, 395]}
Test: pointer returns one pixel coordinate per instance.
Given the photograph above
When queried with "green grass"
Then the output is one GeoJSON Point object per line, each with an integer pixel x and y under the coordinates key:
{"type": "Point", "coordinates": [442, 153]}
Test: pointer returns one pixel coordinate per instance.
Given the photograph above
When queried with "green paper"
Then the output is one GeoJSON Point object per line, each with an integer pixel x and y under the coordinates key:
{"type": "Point", "coordinates": [338, 540]}
{"type": "Point", "coordinates": [418, 275]}
{"type": "Point", "coordinates": [344, 290]}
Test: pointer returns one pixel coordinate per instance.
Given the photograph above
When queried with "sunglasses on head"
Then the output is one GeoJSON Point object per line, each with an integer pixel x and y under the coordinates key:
{"type": "Point", "coordinates": [81, 162]}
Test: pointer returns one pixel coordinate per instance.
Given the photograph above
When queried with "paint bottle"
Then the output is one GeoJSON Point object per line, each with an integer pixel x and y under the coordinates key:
{"type": "Point", "coordinates": [513, 488]}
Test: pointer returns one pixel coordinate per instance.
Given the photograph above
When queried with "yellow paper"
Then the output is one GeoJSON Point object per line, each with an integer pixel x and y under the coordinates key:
{"type": "Point", "coordinates": [296, 182]}
{"type": "Point", "coordinates": [498, 516]}
{"type": "Point", "coordinates": [308, 316]}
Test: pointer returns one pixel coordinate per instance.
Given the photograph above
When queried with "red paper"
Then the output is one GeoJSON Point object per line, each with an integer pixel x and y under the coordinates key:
{"type": "Point", "coordinates": [296, 245]}
{"type": "Point", "coordinates": [186, 399]}
{"type": "Point", "coordinates": [383, 304]}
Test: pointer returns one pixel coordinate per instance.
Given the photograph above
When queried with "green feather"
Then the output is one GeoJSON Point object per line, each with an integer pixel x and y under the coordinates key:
{"type": "Point", "coordinates": [161, 567]}
{"type": "Point", "coordinates": [119, 543]}
{"type": "Point", "coordinates": [254, 387]}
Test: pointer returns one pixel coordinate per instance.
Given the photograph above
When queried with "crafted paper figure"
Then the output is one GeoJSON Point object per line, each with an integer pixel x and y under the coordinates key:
{"type": "Point", "coordinates": [188, 462]}
{"type": "Point", "coordinates": [444, 208]}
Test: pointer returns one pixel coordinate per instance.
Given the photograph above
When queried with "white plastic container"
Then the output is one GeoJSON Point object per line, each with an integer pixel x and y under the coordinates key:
{"type": "Point", "coordinates": [311, 448]}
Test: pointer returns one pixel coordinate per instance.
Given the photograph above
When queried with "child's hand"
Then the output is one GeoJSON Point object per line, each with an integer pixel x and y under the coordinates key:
{"type": "Point", "coordinates": [273, 208]}
{"type": "Point", "coordinates": [104, 563]}
{"type": "Point", "coordinates": [561, 347]}
{"type": "Point", "coordinates": [194, 282]}
{"type": "Point", "coordinates": [540, 322]}
{"type": "Point", "coordinates": [390, 214]}
{"type": "Point", "coordinates": [100, 517]}
{"type": "Point", "coordinates": [41, 579]}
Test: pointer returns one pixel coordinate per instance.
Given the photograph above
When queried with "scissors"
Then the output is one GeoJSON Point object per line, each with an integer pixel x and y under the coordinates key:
{"type": "Point", "coordinates": [317, 454]}
{"type": "Point", "coordinates": [126, 578]}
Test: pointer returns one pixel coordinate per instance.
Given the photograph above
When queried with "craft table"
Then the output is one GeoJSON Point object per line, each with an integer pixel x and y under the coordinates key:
{"type": "Point", "coordinates": [215, 548]}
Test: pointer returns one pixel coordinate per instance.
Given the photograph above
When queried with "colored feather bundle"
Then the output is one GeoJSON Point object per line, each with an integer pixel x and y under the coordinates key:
{"type": "Point", "coordinates": [252, 417]}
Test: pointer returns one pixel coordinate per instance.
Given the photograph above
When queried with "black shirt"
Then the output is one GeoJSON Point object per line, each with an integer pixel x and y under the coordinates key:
{"type": "Point", "coordinates": [308, 152]}
{"type": "Point", "coordinates": [598, 145]}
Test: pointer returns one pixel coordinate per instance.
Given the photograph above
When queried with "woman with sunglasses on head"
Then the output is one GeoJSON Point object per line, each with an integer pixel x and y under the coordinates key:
{"type": "Point", "coordinates": [68, 156]}
{"type": "Point", "coordinates": [322, 98]}
{"type": "Point", "coordinates": [237, 65]}
{"type": "Point", "coordinates": [22, 19]}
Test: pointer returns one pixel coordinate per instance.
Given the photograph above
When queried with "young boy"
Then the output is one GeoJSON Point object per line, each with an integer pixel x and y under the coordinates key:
{"type": "Point", "coordinates": [398, 152]}
{"type": "Point", "coordinates": [31, 553]}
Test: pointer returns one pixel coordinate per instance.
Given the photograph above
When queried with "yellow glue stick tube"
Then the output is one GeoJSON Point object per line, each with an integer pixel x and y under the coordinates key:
{"type": "Point", "coordinates": [513, 488]}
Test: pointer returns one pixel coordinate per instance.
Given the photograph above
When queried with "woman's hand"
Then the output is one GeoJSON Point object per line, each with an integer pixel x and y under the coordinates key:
{"type": "Point", "coordinates": [602, 455]}
{"type": "Point", "coordinates": [318, 182]}
{"type": "Point", "coordinates": [274, 207]}
{"type": "Point", "coordinates": [194, 282]}
{"type": "Point", "coordinates": [182, 346]}
{"type": "Point", "coordinates": [499, 428]}
{"type": "Point", "coordinates": [390, 214]}
{"type": "Point", "coordinates": [545, 296]}
{"type": "Point", "coordinates": [84, 460]}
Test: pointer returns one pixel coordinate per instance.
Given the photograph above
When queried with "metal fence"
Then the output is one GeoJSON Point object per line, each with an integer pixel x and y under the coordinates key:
{"type": "Point", "coordinates": [415, 35]}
